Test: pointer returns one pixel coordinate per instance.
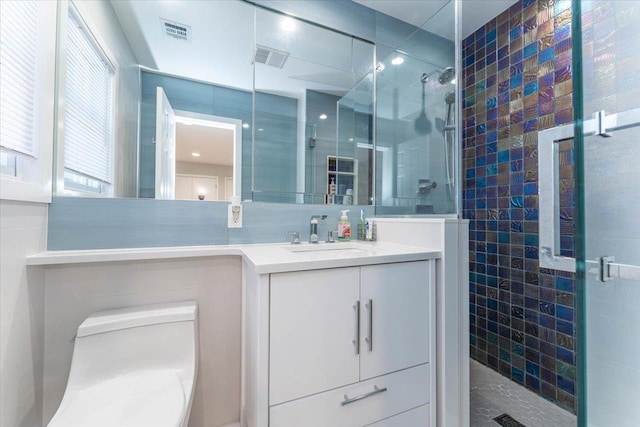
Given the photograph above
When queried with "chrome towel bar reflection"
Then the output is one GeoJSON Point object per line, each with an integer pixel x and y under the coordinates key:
{"type": "Point", "coordinates": [607, 269]}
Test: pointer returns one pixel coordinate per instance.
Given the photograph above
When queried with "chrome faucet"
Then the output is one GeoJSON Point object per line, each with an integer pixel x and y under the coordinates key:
{"type": "Point", "coordinates": [295, 240]}
{"type": "Point", "coordinates": [313, 227]}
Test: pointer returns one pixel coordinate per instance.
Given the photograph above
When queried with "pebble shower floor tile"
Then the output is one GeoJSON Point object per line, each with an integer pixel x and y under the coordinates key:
{"type": "Point", "coordinates": [493, 395]}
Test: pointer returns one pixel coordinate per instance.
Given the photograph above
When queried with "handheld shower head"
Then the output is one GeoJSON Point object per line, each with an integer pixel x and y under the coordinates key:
{"type": "Point", "coordinates": [450, 97]}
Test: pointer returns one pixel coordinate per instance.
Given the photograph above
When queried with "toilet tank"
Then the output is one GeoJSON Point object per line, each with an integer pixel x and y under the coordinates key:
{"type": "Point", "coordinates": [118, 342]}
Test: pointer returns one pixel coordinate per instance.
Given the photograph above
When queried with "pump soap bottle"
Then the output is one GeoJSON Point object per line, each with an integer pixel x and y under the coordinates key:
{"type": "Point", "coordinates": [331, 198]}
{"type": "Point", "coordinates": [344, 227]}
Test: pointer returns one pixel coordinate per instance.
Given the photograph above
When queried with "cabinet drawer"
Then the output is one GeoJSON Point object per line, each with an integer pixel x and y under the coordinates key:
{"type": "Point", "coordinates": [404, 390]}
{"type": "Point", "coordinates": [417, 417]}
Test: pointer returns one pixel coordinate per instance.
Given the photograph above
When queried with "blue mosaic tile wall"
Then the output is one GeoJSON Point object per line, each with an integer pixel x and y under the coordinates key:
{"type": "Point", "coordinates": [517, 81]}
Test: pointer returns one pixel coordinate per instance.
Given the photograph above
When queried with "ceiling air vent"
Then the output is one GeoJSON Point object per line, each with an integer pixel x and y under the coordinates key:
{"type": "Point", "coordinates": [176, 30]}
{"type": "Point", "coordinates": [271, 57]}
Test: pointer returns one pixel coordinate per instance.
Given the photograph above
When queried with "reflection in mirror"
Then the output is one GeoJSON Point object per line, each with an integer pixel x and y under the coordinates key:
{"type": "Point", "coordinates": [206, 157]}
{"type": "Point", "coordinates": [199, 102]}
{"type": "Point", "coordinates": [415, 128]}
{"type": "Point", "coordinates": [301, 84]}
{"type": "Point", "coordinates": [197, 156]}
{"type": "Point", "coordinates": [305, 104]}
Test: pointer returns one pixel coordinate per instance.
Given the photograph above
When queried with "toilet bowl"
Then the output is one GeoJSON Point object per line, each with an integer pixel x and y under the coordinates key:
{"type": "Point", "coordinates": [134, 367]}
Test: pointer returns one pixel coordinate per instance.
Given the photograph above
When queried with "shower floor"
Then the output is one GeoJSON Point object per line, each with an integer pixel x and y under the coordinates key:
{"type": "Point", "coordinates": [493, 395]}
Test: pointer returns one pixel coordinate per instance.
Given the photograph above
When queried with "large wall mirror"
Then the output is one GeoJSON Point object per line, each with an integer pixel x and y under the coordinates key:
{"type": "Point", "coordinates": [211, 99]}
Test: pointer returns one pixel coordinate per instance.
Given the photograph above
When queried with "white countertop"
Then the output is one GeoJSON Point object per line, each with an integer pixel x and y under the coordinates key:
{"type": "Point", "coordinates": [265, 258]}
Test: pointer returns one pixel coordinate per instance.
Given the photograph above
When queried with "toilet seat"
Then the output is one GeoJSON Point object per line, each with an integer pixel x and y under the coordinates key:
{"type": "Point", "coordinates": [152, 398]}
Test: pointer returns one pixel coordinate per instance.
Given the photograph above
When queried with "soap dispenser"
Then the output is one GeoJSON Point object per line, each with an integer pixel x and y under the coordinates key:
{"type": "Point", "coordinates": [344, 227]}
{"type": "Point", "coordinates": [331, 197]}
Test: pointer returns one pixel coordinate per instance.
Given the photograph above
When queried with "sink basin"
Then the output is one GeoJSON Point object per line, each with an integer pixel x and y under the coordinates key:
{"type": "Point", "coordinates": [334, 248]}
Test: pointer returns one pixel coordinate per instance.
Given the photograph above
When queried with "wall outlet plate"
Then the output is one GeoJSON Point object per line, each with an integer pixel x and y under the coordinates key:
{"type": "Point", "coordinates": [234, 217]}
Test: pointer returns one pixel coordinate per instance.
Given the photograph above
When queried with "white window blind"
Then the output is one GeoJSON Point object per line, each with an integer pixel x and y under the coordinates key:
{"type": "Point", "coordinates": [18, 50]}
{"type": "Point", "coordinates": [88, 125]}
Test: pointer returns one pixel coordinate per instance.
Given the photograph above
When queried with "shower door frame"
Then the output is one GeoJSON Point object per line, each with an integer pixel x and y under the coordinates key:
{"type": "Point", "coordinates": [605, 267]}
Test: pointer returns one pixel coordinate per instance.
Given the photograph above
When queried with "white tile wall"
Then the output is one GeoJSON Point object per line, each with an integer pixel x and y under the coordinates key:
{"type": "Point", "coordinates": [22, 232]}
{"type": "Point", "coordinates": [75, 291]}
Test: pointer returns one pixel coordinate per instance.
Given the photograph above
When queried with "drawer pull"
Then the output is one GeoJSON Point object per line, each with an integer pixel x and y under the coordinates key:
{"type": "Point", "coordinates": [375, 391]}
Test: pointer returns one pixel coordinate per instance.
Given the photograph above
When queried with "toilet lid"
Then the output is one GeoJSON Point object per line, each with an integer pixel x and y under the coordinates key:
{"type": "Point", "coordinates": [152, 398]}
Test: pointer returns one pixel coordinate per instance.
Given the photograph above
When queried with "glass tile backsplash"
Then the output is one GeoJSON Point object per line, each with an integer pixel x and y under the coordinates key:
{"type": "Point", "coordinates": [517, 82]}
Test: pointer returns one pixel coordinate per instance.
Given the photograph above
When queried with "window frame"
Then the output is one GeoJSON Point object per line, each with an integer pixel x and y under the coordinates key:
{"type": "Point", "coordinates": [39, 189]}
{"type": "Point", "coordinates": [60, 189]}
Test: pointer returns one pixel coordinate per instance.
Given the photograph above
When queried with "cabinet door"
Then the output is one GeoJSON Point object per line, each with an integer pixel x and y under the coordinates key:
{"type": "Point", "coordinates": [397, 321]}
{"type": "Point", "coordinates": [312, 332]}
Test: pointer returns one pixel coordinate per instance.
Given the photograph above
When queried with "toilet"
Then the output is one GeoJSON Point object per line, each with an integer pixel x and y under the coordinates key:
{"type": "Point", "coordinates": [134, 367]}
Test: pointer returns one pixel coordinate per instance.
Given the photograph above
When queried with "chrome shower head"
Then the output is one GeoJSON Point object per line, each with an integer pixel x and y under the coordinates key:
{"type": "Point", "coordinates": [446, 75]}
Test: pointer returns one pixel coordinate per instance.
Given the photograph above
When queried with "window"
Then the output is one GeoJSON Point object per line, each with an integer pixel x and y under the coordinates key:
{"type": "Point", "coordinates": [88, 111]}
{"type": "Point", "coordinates": [27, 60]}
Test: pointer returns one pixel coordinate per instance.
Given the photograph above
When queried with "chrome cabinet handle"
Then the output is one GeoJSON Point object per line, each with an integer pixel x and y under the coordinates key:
{"type": "Point", "coordinates": [357, 340]}
{"type": "Point", "coordinates": [376, 390]}
{"type": "Point", "coordinates": [370, 337]}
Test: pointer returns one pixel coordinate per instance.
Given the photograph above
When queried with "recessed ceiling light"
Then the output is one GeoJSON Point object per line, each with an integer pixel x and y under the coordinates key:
{"type": "Point", "coordinates": [350, 139]}
{"type": "Point", "coordinates": [288, 24]}
{"type": "Point", "coordinates": [194, 154]}
{"type": "Point", "coordinates": [260, 130]}
{"type": "Point", "coordinates": [323, 116]}
{"type": "Point", "coordinates": [453, 81]}
{"type": "Point", "coordinates": [245, 125]}
{"type": "Point", "coordinates": [397, 60]}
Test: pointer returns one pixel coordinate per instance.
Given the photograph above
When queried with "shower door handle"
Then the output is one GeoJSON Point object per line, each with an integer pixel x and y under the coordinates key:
{"type": "Point", "coordinates": [549, 199]}
{"type": "Point", "coordinates": [548, 191]}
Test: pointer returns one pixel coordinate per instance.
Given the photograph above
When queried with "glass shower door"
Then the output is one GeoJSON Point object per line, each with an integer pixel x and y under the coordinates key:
{"type": "Point", "coordinates": [608, 211]}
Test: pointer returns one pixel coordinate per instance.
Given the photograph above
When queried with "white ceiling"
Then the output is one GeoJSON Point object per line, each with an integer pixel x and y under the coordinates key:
{"type": "Point", "coordinates": [475, 13]}
{"type": "Point", "coordinates": [221, 46]}
{"type": "Point", "coordinates": [225, 31]}
{"type": "Point", "coordinates": [215, 145]}
{"type": "Point", "coordinates": [219, 50]}
{"type": "Point", "coordinates": [415, 12]}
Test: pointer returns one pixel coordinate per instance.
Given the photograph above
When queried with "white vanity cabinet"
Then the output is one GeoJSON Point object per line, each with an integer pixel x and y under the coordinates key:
{"type": "Point", "coordinates": [344, 347]}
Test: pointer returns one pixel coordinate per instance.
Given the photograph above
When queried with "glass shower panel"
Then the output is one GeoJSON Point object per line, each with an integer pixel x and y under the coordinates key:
{"type": "Point", "coordinates": [351, 170]}
{"type": "Point", "coordinates": [416, 148]}
{"type": "Point", "coordinates": [411, 153]}
{"type": "Point", "coordinates": [609, 261]}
